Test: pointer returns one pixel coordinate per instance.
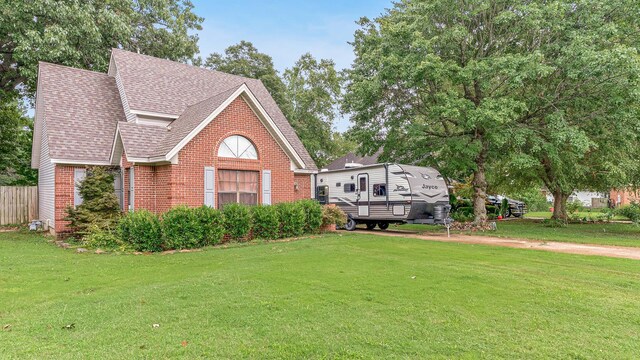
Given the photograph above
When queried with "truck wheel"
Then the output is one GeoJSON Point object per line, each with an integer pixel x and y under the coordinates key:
{"type": "Point", "coordinates": [351, 225]}
{"type": "Point", "coordinates": [507, 213]}
{"type": "Point", "coordinates": [371, 226]}
{"type": "Point", "coordinates": [383, 225]}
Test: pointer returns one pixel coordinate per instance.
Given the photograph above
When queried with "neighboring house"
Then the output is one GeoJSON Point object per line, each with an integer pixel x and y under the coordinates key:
{"type": "Point", "coordinates": [176, 134]}
{"type": "Point", "coordinates": [352, 159]}
{"type": "Point", "coordinates": [587, 198]}
{"type": "Point", "coordinates": [624, 197]}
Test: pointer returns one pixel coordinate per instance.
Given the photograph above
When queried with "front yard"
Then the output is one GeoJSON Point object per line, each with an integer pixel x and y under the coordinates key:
{"type": "Point", "coordinates": [334, 296]}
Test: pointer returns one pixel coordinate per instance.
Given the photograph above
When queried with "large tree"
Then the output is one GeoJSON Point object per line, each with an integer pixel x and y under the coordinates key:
{"type": "Point", "coordinates": [460, 84]}
{"type": "Point", "coordinates": [244, 59]}
{"type": "Point", "coordinates": [313, 89]}
{"type": "Point", "coordinates": [16, 130]}
{"type": "Point", "coordinates": [82, 33]}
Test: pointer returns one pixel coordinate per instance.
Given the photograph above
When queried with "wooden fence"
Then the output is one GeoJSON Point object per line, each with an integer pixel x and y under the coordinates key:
{"type": "Point", "coordinates": [18, 204]}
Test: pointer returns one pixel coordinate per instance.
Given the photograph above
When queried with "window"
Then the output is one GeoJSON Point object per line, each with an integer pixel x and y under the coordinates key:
{"type": "Point", "coordinates": [238, 147]}
{"type": "Point", "coordinates": [349, 188]}
{"type": "Point", "coordinates": [235, 186]}
{"type": "Point", "coordinates": [379, 189]}
{"type": "Point", "coordinates": [323, 194]}
{"type": "Point", "coordinates": [363, 184]}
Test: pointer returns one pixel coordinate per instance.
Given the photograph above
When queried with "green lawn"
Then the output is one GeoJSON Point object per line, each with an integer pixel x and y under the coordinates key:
{"type": "Point", "coordinates": [582, 214]}
{"type": "Point", "coordinates": [337, 296]}
{"type": "Point", "coordinates": [604, 234]}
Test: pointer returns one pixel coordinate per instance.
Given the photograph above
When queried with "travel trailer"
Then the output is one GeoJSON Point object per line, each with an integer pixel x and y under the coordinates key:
{"type": "Point", "coordinates": [381, 194]}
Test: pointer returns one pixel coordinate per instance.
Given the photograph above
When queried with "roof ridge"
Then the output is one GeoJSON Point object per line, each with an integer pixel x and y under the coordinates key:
{"type": "Point", "coordinates": [72, 68]}
{"type": "Point", "coordinates": [200, 68]}
{"type": "Point", "coordinates": [234, 88]}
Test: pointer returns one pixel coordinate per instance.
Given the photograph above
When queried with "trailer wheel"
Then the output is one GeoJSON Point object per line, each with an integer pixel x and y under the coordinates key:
{"type": "Point", "coordinates": [383, 225]}
{"type": "Point", "coordinates": [351, 225]}
{"type": "Point", "coordinates": [371, 226]}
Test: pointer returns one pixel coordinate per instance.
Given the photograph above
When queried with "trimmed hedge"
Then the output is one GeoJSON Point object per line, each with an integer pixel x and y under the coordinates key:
{"type": "Point", "coordinates": [266, 222]}
{"type": "Point", "coordinates": [212, 225]}
{"type": "Point", "coordinates": [142, 230]}
{"type": "Point", "coordinates": [186, 228]}
{"type": "Point", "coordinates": [237, 221]}
{"type": "Point", "coordinates": [181, 229]}
{"type": "Point", "coordinates": [312, 215]}
{"type": "Point", "coordinates": [292, 218]}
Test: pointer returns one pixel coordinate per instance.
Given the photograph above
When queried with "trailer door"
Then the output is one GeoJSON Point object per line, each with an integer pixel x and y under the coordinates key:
{"type": "Point", "coordinates": [363, 195]}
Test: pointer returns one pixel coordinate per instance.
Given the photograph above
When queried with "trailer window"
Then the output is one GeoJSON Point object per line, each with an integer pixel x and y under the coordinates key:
{"type": "Point", "coordinates": [379, 189]}
{"type": "Point", "coordinates": [349, 188]}
{"type": "Point", "coordinates": [322, 194]}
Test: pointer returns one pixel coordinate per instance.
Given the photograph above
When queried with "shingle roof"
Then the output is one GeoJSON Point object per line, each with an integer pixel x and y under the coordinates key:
{"type": "Point", "coordinates": [141, 141]}
{"type": "Point", "coordinates": [191, 118]}
{"type": "Point", "coordinates": [167, 87]}
{"type": "Point", "coordinates": [81, 109]}
{"type": "Point", "coordinates": [353, 158]}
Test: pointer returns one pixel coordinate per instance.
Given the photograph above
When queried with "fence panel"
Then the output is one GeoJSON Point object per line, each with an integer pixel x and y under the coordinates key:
{"type": "Point", "coordinates": [18, 204]}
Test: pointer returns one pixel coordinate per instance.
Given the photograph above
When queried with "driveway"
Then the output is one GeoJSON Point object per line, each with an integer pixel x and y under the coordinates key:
{"type": "Point", "coordinates": [561, 247]}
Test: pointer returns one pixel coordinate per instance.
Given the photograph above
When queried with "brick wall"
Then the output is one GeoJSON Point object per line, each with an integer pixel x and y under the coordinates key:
{"type": "Point", "coordinates": [65, 188]}
{"type": "Point", "coordinates": [187, 177]}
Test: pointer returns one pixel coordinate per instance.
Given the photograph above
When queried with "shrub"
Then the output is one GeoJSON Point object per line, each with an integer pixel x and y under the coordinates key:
{"type": "Point", "coordinates": [237, 221]}
{"type": "Point", "coordinates": [461, 216]}
{"type": "Point", "coordinates": [332, 214]}
{"type": "Point", "coordinates": [504, 206]}
{"type": "Point", "coordinates": [141, 230]}
{"type": "Point", "coordinates": [266, 222]}
{"type": "Point", "coordinates": [181, 229]}
{"type": "Point", "coordinates": [631, 212]}
{"type": "Point", "coordinates": [103, 239]}
{"type": "Point", "coordinates": [212, 225]}
{"type": "Point", "coordinates": [312, 215]}
{"type": "Point", "coordinates": [292, 219]}
{"type": "Point", "coordinates": [100, 207]}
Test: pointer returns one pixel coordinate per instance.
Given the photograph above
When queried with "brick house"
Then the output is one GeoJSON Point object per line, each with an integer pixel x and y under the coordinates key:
{"type": "Point", "coordinates": [175, 135]}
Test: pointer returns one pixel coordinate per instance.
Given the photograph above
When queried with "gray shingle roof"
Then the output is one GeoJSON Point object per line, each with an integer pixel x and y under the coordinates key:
{"type": "Point", "coordinates": [167, 87]}
{"type": "Point", "coordinates": [340, 163]}
{"type": "Point", "coordinates": [141, 141]}
{"type": "Point", "coordinates": [81, 109]}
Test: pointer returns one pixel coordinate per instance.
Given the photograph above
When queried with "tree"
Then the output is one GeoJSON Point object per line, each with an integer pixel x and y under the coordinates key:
{"type": "Point", "coordinates": [82, 33]}
{"type": "Point", "coordinates": [244, 59]}
{"type": "Point", "coordinates": [16, 131]}
{"type": "Point", "coordinates": [100, 208]}
{"type": "Point", "coordinates": [313, 89]}
{"type": "Point", "coordinates": [459, 85]}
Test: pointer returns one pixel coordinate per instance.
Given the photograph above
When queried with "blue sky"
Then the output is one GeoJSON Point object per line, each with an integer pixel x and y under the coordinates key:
{"type": "Point", "coordinates": [286, 29]}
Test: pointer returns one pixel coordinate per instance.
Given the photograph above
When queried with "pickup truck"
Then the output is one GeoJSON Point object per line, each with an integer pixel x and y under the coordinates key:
{"type": "Point", "coordinates": [516, 208]}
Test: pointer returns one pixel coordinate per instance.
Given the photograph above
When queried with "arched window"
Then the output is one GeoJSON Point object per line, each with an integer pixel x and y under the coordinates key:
{"type": "Point", "coordinates": [239, 147]}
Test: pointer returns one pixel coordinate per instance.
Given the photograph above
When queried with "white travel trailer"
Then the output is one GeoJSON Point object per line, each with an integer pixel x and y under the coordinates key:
{"type": "Point", "coordinates": [382, 194]}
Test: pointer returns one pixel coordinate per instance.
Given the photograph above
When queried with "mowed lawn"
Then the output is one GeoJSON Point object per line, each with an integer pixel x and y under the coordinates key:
{"type": "Point", "coordinates": [592, 233]}
{"type": "Point", "coordinates": [334, 296]}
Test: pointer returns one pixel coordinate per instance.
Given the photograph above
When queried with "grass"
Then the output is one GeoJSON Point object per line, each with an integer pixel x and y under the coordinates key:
{"type": "Point", "coordinates": [600, 233]}
{"type": "Point", "coordinates": [581, 214]}
{"type": "Point", "coordinates": [337, 296]}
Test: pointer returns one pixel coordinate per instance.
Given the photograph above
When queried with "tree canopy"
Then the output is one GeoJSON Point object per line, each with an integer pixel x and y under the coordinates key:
{"type": "Point", "coordinates": [244, 59]}
{"type": "Point", "coordinates": [82, 33]}
{"type": "Point", "coordinates": [313, 90]}
{"type": "Point", "coordinates": [462, 85]}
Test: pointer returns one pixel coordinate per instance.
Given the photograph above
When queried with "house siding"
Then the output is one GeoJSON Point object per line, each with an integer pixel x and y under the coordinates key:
{"type": "Point", "coordinates": [46, 182]}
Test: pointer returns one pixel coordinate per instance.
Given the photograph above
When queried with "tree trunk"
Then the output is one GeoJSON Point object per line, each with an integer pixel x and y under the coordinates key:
{"type": "Point", "coordinates": [479, 196]}
{"type": "Point", "coordinates": [560, 205]}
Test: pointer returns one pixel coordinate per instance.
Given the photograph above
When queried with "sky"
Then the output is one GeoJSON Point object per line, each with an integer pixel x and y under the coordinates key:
{"type": "Point", "coordinates": [286, 29]}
